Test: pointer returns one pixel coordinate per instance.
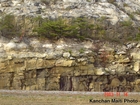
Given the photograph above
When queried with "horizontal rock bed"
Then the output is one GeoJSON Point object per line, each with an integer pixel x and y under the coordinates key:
{"type": "Point", "coordinates": [69, 65]}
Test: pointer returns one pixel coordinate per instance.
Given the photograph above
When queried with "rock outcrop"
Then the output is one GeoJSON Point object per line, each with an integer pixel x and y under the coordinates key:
{"type": "Point", "coordinates": [114, 10]}
{"type": "Point", "coordinates": [69, 65]}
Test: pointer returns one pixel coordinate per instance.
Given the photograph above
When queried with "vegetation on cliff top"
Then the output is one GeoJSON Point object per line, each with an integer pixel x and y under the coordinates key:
{"type": "Point", "coordinates": [80, 28]}
{"type": "Point", "coordinates": [76, 28]}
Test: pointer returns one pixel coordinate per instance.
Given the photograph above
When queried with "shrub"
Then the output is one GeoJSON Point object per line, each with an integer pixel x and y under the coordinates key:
{"type": "Point", "coordinates": [8, 26]}
{"type": "Point", "coordinates": [111, 1]}
{"type": "Point", "coordinates": [131, 16]}
{"type": "Point", "coordinates": [82, 50]}
{"type": "Point", "coordinates": [77, 28]}
{"type": "Point", "coordinates": [137, 12]}
{"type": "Point", "coordinates": [137, 37]}
{"type": "Point", "coordinates": [47, 2]}
{"type": "Point", "coordinates": [84, 27]}
{"type": "Point", "coordinates": [125, 5]}
{"type": "Point", "coordinates": [88, 0]}
{"type": "Point", "coordinates": [126, 23]}
{"type": "Point", "coordinates": [55, 29]}
{"type": "Point", "coordinates": [101, 33]}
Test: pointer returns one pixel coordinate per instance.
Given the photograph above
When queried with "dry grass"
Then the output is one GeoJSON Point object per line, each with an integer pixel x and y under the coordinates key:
{"type": "Point", "coordinates": [15, 98]}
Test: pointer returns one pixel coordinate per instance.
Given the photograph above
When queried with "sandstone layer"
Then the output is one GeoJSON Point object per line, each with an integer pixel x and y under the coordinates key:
{"type": "Point", "coordinates": [69, 65]}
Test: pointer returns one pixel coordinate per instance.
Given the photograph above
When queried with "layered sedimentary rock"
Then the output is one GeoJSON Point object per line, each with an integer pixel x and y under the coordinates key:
{"type": "Point", "coordinates": [92, 65]}
{"type": "Point", "coordinates": [69, 65]}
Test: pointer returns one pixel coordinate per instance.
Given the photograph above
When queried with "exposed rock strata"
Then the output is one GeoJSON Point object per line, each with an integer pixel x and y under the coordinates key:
{"type": "Point", "coordinates": [69, 65]}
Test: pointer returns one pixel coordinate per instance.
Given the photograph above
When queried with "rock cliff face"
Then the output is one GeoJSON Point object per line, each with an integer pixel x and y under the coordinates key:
{"type": "Point", "coordinates": [69, 65]}
{"type": "Point", "coordinates": [66, 64]}
{"type": "Point", "coordinates": [114, 10]}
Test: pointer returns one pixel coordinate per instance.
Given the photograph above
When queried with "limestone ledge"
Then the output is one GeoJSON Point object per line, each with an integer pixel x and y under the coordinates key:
{"type": "Point", "coordinates": [105, 58]}
{"type": "Point", "coordinates": [69, 65]}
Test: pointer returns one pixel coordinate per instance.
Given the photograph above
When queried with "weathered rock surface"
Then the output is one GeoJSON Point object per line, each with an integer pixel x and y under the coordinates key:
{"type": "Point", "coordinates": [114, 10]}
{"type": "Point", "coordinates": [79, 68]}
{"type": "Point", "coordinates": [30, 64]}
